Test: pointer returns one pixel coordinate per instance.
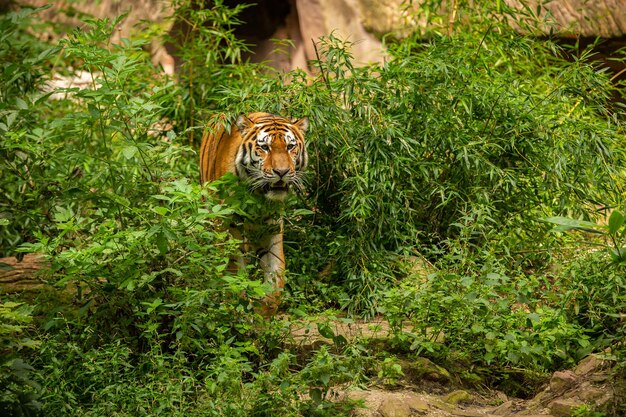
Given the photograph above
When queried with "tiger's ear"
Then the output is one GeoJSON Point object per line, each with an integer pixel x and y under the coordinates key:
{"type": "Point", "coordinates": [302, 124]}
{"type": "Point", "coordinates": [243, 122]}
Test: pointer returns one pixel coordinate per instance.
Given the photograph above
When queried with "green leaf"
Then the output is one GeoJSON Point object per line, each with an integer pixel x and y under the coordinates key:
{"type": "Point", "coordinates": [11, 116]}
{"type": "Point", "coordinates": [63, 214]}
{"type": "Point", "coordinates": [161, 242]}
{"type": "Point", "coordinates": [129, 151]}
{"type": "Point", "coordinates": [123, 201]}
{"type": "Point", "coordinates": [616, 221]}
{"type": "Point", "coordinates": [21, 104]}
{"type": "Point", "coordinates": [316, 395]}
{"type": "Point", "coordinates": [618, 255]}
{"type": "Point", "coordinates": [161, 197]}
{"type": "Point", "coordinates": [160, 210]}
{"type": "Point", "coordinates": [302, 212]}
{"type": "Point", "coordinates": [583, 343]}
{"type": "Point", "coordinates": [340, 341]}
{"type": "Point", "coordinates": [325, 330]}
{"type": "Point", "coordinates": [93, 111]}
{"type": "Point", "coordinates": [325, 379]}
{"type": "Point", "coordinates": [564, 224]}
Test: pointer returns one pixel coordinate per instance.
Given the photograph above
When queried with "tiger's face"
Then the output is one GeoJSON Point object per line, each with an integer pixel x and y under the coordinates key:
{"type": "Point", "coordinates": [272, 155]}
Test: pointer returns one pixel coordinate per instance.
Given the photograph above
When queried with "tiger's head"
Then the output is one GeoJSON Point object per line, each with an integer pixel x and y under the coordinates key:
{"type": "Point", "coordinates": [272, 155]}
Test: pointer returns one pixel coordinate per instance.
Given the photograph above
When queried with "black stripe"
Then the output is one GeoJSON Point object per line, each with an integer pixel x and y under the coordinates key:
{"type": "Point", "coordinates": [298, 134]}
{"type": "Point", "coordinates": [250, 150]}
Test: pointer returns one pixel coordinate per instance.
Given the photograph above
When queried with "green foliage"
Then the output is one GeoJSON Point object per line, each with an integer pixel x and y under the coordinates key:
{"type": "Point", "coordinates": [22, 57]}
{"type": "Point", "coordinates": [24, 200]}
{"type": "Point", "coordinates": [158, 323]}
{"type": "Point", "coordinates": [390, 371]}
{"type": "Point", "coordinates": [462, 144]}
{"type": "Point", "coordinates": [451, 150]}
{"type": "Point", "coordinates": [485, 319]}
{"type": "Point", "coordinates": [587, 411]}
{"type": "Point", "coordinates": [595, 281]}
{"type": "Point", "coordinates": [614, 231]}
{"type": "Point", "coordinates": [207, 46]}
{"type": "Point", "coordinates": [19, 393]}
{"type": "Point", "coordinates": [595, 295]}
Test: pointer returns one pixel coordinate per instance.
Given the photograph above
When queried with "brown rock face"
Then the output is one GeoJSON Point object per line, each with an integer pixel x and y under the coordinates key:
{"type": "Point", "coordinates": [564, 408]}
{"type": "Point", "coordinates": [573, 18]}
{"type": "Point", "coordinates": [393, 408]}
{"type": "Point", "coordinates": [563, 380]}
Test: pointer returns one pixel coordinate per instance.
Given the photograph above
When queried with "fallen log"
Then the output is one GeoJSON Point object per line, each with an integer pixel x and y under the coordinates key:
{"type": "Point", "coordinates": [20, 276]}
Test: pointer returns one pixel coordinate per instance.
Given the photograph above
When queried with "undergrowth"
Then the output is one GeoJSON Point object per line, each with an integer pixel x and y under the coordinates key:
{"type": "Point", "coordinates": [429, 179]}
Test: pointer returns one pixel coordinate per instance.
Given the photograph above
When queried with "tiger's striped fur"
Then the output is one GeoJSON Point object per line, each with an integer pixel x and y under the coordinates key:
{"type": "Point", "coordinates": [269, 153]}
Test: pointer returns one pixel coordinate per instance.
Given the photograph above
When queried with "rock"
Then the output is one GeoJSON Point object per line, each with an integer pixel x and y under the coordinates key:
{"type": "Point", "coordinates": [589, 394]}
{"type": "Point", "coordinates": [591, 363]}
{"type": "Point", "coordinates": [502, 396]}
{"type": "Point", "coordinates": [391, 407]}
{"type": "Point", "coordinates": [504, 408]}
{"type": "Point", "coordinates": [422, 368]}
{"type": "Point", "coordinates": [396, 17]}
{"type": "Point", "coordinates": [417, 404]}
{"type": "Point", "coordinates": [562, 380]}
{"type": "Point", "coordinates": [576, 17]}
{"type": "Point", "coordinates": [564, 408]}
{"type": "Point", "coordinates": [369, 403]}
{"type": "Point", "coordinates": [537, 415]}
{"type": "Point", "coordinates": [457, 396]}
{"type": "Point", "coordinates": [22, 275]}
{"type": "Point", "coordinates": [566, 392]}
{"type": "Point", "coordinates": [383, 403]}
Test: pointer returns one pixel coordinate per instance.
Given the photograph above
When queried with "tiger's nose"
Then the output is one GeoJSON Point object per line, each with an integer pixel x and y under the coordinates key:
{"type": "Point", "coordinates": [281, 172]}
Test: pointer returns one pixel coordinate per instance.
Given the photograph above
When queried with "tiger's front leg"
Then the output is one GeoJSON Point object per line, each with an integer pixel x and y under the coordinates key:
{"type": "Point", "coordinates": [272, 261]}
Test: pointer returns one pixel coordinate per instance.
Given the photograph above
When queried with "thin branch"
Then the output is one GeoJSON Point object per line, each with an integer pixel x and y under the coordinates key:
{"type": "Point", "coordinates": [319, 64]}
{"type": "Point", "coordinates": [452, 18]}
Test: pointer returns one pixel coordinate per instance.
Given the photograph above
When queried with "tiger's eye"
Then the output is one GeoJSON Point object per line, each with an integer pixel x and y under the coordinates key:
{"type": "Point", "coordinates": [290, 146]}
{"type": "Point", "coordinates": [264, 148]}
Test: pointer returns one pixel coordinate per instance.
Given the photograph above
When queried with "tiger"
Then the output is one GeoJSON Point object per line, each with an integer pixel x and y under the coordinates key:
{"type": "Point", "coordinates": [267, 152]}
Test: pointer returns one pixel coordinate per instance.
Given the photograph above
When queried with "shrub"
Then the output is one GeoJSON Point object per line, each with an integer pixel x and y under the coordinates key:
{"type": "Point", "coordinates": [484, 319]}
{"type": "Point", "coordinates": [158, 324]}
{"type": "Point", "coordinates": [595, 295]}
{"type": "Point", "coordinates": [453, 148]}
{"type": "Point", "coordinates": [19, 395]}
{"type": "Point", "coordinates": [25, 185]}
{"type": "Point", "coordinates": [451, 142]}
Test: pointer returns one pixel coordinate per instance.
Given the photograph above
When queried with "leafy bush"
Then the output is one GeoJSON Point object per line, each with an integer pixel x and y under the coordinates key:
{"type": "Point", "coordinates": [453, 148]}
{"type": "Point", "coordinates": [25, 184]}
{"type": "Point", "coordinates": [595, 281]}
{"type": "Point", "coordinates": [596, 295]}
{"type": "Point", "coordinates": [451, 142]}
{"type": "Point", "coordinates": [485, 319]}
{"type": "Point", "coordinates": [158, 324]}
{"type": "Point", "coordinates": [19, 394]}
